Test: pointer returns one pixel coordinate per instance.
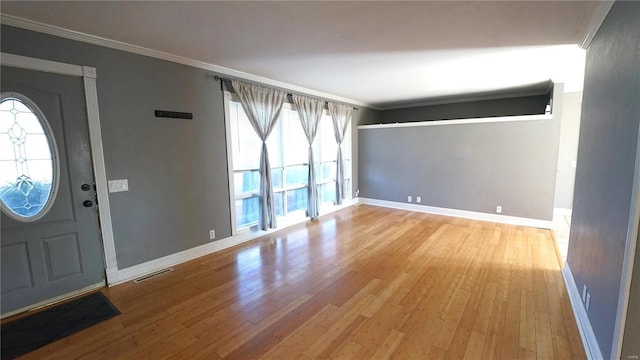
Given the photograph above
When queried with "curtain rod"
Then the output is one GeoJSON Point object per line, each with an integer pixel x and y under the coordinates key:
{"type": "Point", "coordinates": [218, 78]}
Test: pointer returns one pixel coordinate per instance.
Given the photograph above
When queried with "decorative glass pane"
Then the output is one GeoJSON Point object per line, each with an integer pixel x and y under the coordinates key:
{"type": "Point", "coordinates": [296, 199]}
{"type": "Point", "coordinates": [26, 160]}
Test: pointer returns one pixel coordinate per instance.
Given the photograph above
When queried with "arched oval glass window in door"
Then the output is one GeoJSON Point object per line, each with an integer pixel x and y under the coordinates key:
{"type": "Point", "coordinates": [28, 159]}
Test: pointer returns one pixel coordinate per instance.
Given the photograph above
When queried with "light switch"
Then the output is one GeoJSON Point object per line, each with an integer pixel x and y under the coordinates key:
{"type": "Point", "coordinates": [118, 185]}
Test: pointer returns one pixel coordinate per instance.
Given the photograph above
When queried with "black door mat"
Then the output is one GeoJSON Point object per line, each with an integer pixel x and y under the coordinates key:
{"type": "Point", "coordinates": [34, 331]}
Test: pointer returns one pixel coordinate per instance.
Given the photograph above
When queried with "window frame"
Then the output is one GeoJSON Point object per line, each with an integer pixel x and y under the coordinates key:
{"type": "Point", "coordinates": [282, 165]}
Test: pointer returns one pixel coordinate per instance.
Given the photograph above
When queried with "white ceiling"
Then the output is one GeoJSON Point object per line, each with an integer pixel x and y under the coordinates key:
{"type": "Point", "coordinates": [380, 53]}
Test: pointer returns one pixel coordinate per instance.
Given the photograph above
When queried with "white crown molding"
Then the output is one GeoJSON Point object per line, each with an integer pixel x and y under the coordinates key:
{"type": "Point", "coordinates": [119, 45]}
{"type": "Point", "coordinates": [596, 22]}
{"type": "Point", "coordinates": [503, 219]}
{"type": "Point", "coordinates": [589, 340]}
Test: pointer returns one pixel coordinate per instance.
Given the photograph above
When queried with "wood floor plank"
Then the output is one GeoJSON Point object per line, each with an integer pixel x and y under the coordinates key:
{"type": "Point", "coordinates": [364, 282]}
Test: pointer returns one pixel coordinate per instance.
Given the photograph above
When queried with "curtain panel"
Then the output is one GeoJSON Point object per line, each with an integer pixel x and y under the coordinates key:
{"type": "Point", "coordinates": [310, 113]}
{"type": "Point", "coordinates": [341, 116]}
{"type": "Point", "coordinates": [262, 106]}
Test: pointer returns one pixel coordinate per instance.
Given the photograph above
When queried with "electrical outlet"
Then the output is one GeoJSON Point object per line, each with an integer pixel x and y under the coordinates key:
{"type": "Point", "coordinates": [357, 192]}
{"type": "Point", "coordinates": [409, 198]}
{"type": "Point", "coordinates": [584, 293]}
{"type": "Point", "coordinates": [588, 301]}
{"type": "Point", "coordinates": [418, 199]}
{"type": "Point", "coordinates": [499, 209]}
{"type": "Point", "coordinates": [212, 234]}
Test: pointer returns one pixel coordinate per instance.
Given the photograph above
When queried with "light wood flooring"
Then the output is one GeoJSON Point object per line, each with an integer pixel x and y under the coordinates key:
{"type": "Point", "coordinates": [365, 282]}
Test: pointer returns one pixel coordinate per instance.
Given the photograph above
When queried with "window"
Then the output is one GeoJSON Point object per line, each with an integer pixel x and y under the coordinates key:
{"type": "Point", "coordinates": [28, 168]}
{"type": "Point", "coordinates": [288, 155]}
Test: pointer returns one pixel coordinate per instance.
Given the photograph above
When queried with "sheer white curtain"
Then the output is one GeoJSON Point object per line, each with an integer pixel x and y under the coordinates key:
{"type": "Point", "coordinates": [341, 116]}
{"type": "Point", "coordinates": [262, 106]}
{"type": "Point", "coordinates": [310, 113]}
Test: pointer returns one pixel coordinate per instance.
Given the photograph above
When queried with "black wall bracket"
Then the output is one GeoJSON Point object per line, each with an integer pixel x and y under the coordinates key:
{"type": "Point", "coordinates": [174, 114]}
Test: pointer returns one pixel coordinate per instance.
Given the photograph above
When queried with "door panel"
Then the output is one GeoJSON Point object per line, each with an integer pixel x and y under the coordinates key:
{"type": "Point", "coordinates": [61, 252]}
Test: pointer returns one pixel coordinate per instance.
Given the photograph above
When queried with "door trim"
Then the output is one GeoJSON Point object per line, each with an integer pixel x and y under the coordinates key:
{"type": "Point", "coordinates": [89, 75]}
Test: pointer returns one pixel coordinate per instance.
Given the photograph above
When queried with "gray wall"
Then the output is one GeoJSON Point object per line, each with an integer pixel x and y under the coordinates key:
{"type": "Point", "coordinates": [568, 151]}
{"type": "Point", "coordinates": [518, 105]}
{"type": "Point", "coordinates": [606, 159]}
{"type": "Point", "coordinates": [464, 166]}
{"type": "Point", "coordinates": [177, 169]}
{"type": "Point", "coordinates": [363, 115]}
{"type": "Point", "coordinates": [630, 344]}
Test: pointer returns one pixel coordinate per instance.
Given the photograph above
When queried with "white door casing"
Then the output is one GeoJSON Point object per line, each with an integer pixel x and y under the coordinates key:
{"type": "Point", "coordinates": [88, 74]}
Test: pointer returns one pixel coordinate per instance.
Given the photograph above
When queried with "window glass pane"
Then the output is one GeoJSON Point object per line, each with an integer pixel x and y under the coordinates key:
{"type": "Point", "coordinates": [276, 178]}
{"type": "Point", "coordinates": [296, 199]}
{"type": "Point", "coordinates": [246, 211]}
{"type": "Point", "coordinates": [279, 203]}
{"type": "Point", "coordinates": [347, 188]}
{"type": "Point", "coordinates": [244, 140]}
{"type": "Point", "coordinates": [326, 141]}
{"type": "Point", "coordinates": [346, 143]}
{"type": "Point", "coordinates": [246, 182]}
{"type": "Point", "coordinates": [296, 175]}
{"type": "Point", "coordinates": [26, 159]}
{"type": "Point", "coordinates": [294, 141]}
{"type": "Point", "coordinates": [347, 168]}
{"type": "Point", "coordinates": [328, 192]}
{"type": "Point", "coordinates": [273, 146]}
{"type": "Point", "coordinates": [329, 170]}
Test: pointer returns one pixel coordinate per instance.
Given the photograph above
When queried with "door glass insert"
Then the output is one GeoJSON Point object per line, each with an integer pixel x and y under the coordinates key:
{"type": "Point", "coordinates": [28, 168]}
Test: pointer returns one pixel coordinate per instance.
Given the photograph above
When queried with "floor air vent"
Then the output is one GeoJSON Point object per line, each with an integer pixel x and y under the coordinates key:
{"type": "Point", "coordinates": [152, 275]}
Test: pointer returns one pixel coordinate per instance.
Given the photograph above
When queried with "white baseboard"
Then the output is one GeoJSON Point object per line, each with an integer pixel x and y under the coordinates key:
{"type": "Point", "coordinates": [589, 340]}
{"type": "Point", "coordinates": [130, 273]}
{"type": "Point", "coordinates": [504, 219]}
{"type": "Point", "coordinates": [562, 212]}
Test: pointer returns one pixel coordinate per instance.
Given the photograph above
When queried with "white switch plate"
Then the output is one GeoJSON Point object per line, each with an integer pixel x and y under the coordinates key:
{"type": "Point", "coordinates": [418, 199]}
{"type": "Point", "coordinates": [409, 198]}
{"type": "Point", "coordinates": [212, 234]}
{"type": "Point", "coordinates": [499, 209]}
{"type": "Point", "coordinates": [118, 185]}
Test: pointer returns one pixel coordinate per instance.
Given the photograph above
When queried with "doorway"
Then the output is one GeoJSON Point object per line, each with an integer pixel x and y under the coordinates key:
{"type": "Point", "coordinates": [52, 179]}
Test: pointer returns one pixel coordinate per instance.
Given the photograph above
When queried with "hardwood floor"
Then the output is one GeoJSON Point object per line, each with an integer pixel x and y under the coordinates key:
{"type": "Point", "coordinates": [365, 282]}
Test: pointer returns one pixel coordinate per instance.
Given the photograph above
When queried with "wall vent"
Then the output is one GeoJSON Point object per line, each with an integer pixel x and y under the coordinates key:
{"type": "Point", "coordinates": [152, 275]}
